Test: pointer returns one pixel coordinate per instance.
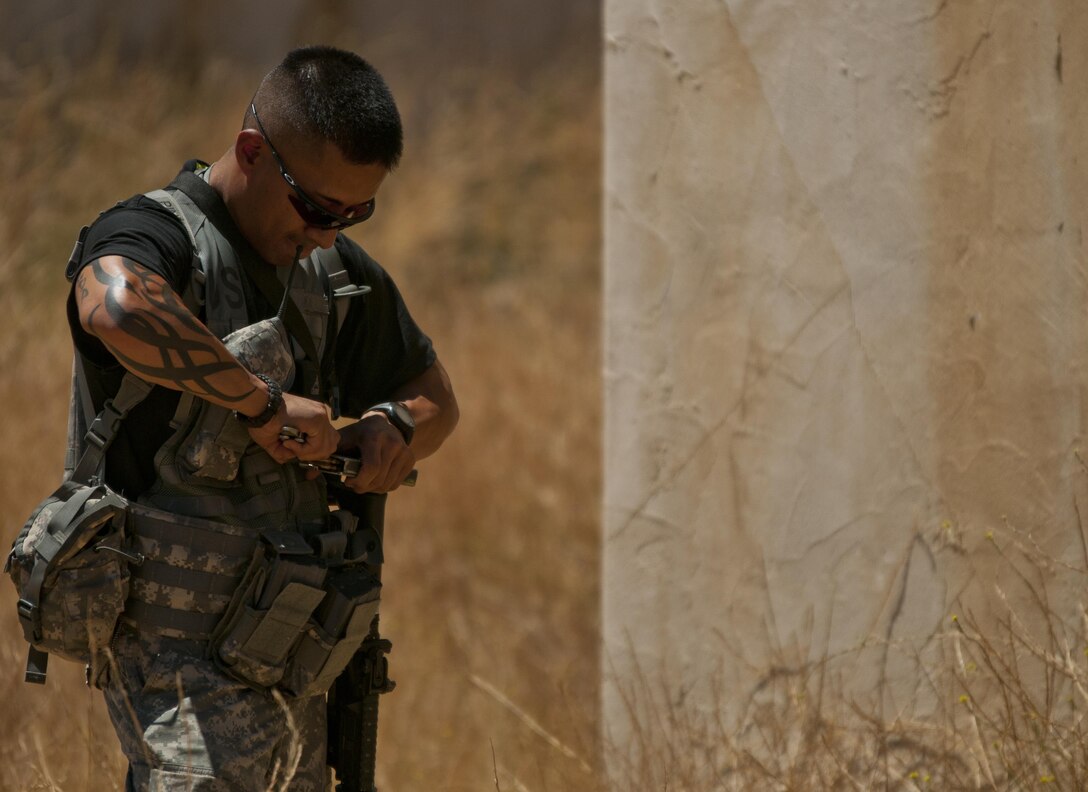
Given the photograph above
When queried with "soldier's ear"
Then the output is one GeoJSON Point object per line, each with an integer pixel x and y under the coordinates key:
{"type": "Point", "coordinates": [248, 149]}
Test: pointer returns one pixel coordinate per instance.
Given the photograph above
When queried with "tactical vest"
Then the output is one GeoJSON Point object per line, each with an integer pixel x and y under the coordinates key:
{"type": "Point", "coordinates": [197, 526]}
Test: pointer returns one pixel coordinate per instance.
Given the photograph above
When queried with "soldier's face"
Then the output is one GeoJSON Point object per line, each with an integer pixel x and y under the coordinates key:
{"type": "Point", "coordinates": [307, 204]}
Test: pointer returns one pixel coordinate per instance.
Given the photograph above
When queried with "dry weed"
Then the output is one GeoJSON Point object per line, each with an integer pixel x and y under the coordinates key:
{"type": "Point", "coordinates": [491, 228]}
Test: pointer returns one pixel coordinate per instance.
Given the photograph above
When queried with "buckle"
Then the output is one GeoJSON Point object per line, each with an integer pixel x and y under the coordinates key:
{"type": "Point", "coordinates": [105, 425]}
{"type": "Point", "coordinates": [286, 543]}
{"type": "Point", "coordinates": [376, 666]}
{"type": "Point", "coordinates": [95, 439]}
{"type": "Point", "coordinates": [28, 616]}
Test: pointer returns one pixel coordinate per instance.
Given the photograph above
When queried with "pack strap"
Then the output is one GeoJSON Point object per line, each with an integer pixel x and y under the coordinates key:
{"type": "Point", "coordinates": [102, 431]}
{"type": "Point", "coordinates": [160, 620]}
{"type": "Point", "coordinates": [209, 506]}
{"type": "Point", "coordinates": [37, 663]}
{"type": "Point", "coordinates": [336, 282]}
{"type": "Point", "coordinates": [202, 536]}
{"type": "Point", "coordinates": [223, 552]}
{"type": "Point", "coordinates": [80, 416]}
{"type": "Point", "coordinates": [75, 492]}
{"type": "Point", "coordinates": [209, 202]}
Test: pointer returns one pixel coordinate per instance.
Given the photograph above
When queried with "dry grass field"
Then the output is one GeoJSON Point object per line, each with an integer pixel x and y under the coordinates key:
{"type": "Point", "coordinates": [491, 229]}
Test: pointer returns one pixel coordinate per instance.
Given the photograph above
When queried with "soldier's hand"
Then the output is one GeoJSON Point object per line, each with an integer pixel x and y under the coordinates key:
{"type": "Point", "coordinates": [318, 437]}
{"type": "Point", "coordinates": [385, 460]}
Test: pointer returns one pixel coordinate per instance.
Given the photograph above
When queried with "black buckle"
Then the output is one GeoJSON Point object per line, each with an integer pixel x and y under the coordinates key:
{"type": "Point", "coordinates": [376, 665]}
{"type": "Point", "coordinates": [30, 620]}
{"type": "Point", "coordinates": [286, 543]}
{"type": "Point", "coordinates": [366, 543]}
{"type": "Point", "coordinates": [37, 663]}
{"type": "Point", "coordinates": [105, 425]}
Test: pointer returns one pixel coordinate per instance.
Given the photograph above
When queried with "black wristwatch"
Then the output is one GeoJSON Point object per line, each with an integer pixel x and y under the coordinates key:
{"type": "Point", "coordinates": [399, 416]}
{"type": "Point", "coordinates": [275, 401]}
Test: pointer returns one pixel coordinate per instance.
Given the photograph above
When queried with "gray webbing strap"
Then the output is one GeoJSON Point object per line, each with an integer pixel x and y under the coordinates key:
{"type": "Point", "coordinates": [200, 536]}
{"type": "Point", "coordinates": [164, 574]}
{"type": "Point", "coordinates": [194, 295]}
{"type": "Point", "coordinates": [169, 202]}
{"type": "Point", "coordinates": [62, 524]}
{"type": "Point", "coordinates": [163, 621]}
{"type": "Point", "coordinates": [104, 428]}
{"type": "Point", "coordinates": [336, 282]}
{"type": "Point", "coordinates": [347, 646]}
{"type": "Point", "coordinates": [80, 416]}
{"type": "Point", "coordinates": [209, 562]}
{"type": "Point", "coordinates": [100, 435]}
{"type": "Point", "coordinates": [48, 546]}
{"type": "Point", "coordinates": [212, 505]}
{"type": "Point", "coordinates": [61, 530]}
{"type": "Point", "coordinates": [84, 391]}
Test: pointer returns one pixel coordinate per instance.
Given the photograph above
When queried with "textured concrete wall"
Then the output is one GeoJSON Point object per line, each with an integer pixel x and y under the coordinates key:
{"type": "Point", "coordinates": [845, 336]}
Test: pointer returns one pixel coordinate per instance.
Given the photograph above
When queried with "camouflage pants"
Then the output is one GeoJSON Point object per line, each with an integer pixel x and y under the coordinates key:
{"type": "Point", "coordinates": [184, 725]}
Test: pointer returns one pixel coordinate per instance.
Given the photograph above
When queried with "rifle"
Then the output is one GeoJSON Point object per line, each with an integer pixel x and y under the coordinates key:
{"type": "Point", "coordinates": [352, 702]}
{"type": "Point", "coordinates": [353, 698]}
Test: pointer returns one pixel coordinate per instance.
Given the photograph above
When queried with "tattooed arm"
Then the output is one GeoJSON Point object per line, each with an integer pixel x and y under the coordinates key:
{"type": "Point", "coordinates": [151, 332]}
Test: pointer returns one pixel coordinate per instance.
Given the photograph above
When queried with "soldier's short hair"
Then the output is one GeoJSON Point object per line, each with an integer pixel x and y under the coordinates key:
{"type": "Point", "coordinates": [326, 93]}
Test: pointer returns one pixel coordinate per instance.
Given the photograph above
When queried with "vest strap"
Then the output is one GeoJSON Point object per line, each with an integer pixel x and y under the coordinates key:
{"type": "Point", "coordinates": [169, 622]}
{"type": "Point", "coordinates": [105, 426]}
{"type": "Point", "coordinates": [209, 202]}
{"type": "Point", "coordinates": [193, 533]}
{"type": "Point", "coordinates": [164, 574]}
{"type": "Point", "coordinates": [212, 505]}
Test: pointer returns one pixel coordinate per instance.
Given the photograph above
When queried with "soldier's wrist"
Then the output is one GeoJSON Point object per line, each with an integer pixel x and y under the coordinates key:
{"type": "Point", "coordinates": [273, 404]}
{"type": "Point", "coordinates": [399, 416]}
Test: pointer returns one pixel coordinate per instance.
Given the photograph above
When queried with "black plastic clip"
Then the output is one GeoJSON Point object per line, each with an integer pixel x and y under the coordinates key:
{"type": "Point", "coordinates": [376, 665]}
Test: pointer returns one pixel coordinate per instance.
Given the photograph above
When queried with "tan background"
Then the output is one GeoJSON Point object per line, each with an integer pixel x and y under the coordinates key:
{"type": "Point", "coordinates": [844, 282]}
{"type": "Point", "coordinates": [844, 338]}
{"type": "Point", "coordinates": [491, 228]}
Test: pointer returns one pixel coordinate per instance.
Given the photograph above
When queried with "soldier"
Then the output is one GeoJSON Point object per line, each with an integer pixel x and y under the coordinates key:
{"type": "Point", "coordinates": [160, 280]}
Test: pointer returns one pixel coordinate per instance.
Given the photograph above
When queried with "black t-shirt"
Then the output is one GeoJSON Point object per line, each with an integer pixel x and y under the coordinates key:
{"type": "Point", "coordinates": [379, 346]}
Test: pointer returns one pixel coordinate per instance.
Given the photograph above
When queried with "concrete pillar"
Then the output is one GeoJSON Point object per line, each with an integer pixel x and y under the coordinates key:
{"type": "Point", "coordinates": [844, 336]}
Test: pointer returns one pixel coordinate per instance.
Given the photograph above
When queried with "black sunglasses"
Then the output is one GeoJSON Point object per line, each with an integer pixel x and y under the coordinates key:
{"type": "Point", "coordinates": [307, 208]}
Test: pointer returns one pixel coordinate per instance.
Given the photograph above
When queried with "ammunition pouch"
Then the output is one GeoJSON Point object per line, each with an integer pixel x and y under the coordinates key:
{"type": "Point", "coordinates": [70, 565]}
{"type": "Point", "coordinates": [298, 616]}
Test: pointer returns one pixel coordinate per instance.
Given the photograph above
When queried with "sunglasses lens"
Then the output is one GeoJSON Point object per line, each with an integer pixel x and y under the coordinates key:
{"type": "Point", "coordinates": [367, 210]}
{"type": "Point", "coordinates": [320, 219]}
{"type": "Point", "coordinates": [312, 216]}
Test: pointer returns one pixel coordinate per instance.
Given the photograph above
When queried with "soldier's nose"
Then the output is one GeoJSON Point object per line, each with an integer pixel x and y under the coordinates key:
{"type": "Point", "coordinates": [322, 237]}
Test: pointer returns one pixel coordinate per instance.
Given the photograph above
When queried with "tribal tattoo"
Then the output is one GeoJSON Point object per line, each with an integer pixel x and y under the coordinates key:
{"type": "Point", "coordinates": [163, 323]}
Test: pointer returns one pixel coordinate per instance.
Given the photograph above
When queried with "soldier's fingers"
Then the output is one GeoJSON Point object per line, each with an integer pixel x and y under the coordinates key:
{"type": "Point", "coordinates": [280, 452]}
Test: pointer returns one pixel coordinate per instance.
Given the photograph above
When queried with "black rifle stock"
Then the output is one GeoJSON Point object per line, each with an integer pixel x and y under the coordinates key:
{"type": "Point", "coordinates": [353, 699]}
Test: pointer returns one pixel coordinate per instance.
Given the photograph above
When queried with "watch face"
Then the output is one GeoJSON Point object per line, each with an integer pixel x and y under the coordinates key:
{"type": "Point", "coordinates": [403, 414]}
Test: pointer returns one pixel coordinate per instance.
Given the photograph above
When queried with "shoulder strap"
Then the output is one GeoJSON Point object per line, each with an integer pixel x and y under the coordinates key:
{"type": "Point", "coordinates": [89, 435]}
{"type": "Point", "coordinates": [104, 428]}
{"type": "Point", "coordinates": [337, 284]}
{"type": "Point", "coordinates": [96, 441]}
{"type": "Point", "coordinates": [167, 200]}
{"type": "Point", "coordinates": [194, 292]}
{"type": "Point", "coordinates": [266, 281]}
{"type": "Point", "coordinates": [80, 415]}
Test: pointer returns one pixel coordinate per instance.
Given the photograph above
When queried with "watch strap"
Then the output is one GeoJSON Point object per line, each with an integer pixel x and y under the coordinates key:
{"type": "Point", "coordinates": [398, 415]}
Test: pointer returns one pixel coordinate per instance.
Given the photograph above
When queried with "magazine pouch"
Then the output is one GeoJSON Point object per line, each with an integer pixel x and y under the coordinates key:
{"type": "Point", "coordinates": [270, 610]}
{"type": "Point", "coordinates": [335, 633]}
